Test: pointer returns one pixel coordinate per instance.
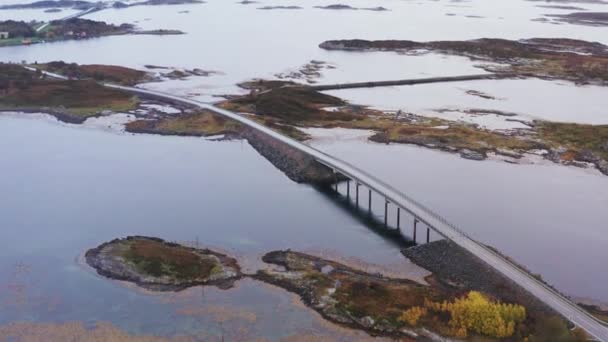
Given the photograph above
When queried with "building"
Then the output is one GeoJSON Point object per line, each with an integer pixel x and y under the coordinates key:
{"type": "Point", "coordinates": [3, 35]}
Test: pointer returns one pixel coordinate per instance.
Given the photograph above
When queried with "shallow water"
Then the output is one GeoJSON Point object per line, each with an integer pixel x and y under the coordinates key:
{"type": "Point", "coordinates": [72, 187]}
{"type": "Point", "coordinates": [530, 99]}
{"type": "Point", "coordinates": [244, 42]}
{"type": "Point", "coordinates": [69, 188]}
{"type": "Point", "coordinates": [548, 217]}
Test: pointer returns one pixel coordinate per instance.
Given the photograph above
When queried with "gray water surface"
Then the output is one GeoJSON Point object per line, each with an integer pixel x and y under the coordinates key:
{"type": "Point", "coordinates": [65, 189]}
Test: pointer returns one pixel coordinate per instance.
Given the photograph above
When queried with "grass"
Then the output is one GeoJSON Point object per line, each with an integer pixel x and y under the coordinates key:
{"type": "Point", "coordinates": [196, 124]}
{"type": "Point", "coordinates": [378, 299]}
{"type": "Point", "coordinates": [16, 41]}
{"type": "Point", "coordinates": [576, 137]}
{"type": "Point", "coordinates": [159, 259]}
{"type": "Point", "coordinates": [102, 73]}
{"type": "Point", "coordinates": [458, 136]}
{"type": "Point", "coordinates": [283, 107]}
{"type": "Point", "coordinates": [596, 311]}
{"type": "Point", "coordinates": [541, 57]}
{"type": "Point", "coordinates": [356, 295]}
{"type": "Point", "coordinates": [291, 105]}
{"type": "Point", "coordinates": [78, 98]}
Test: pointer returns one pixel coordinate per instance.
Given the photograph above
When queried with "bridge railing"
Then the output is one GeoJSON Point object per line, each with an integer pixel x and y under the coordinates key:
{"type": "Point", "coordinates": [420, 206]}
{"type": "Point", "coordinates": [462, 233]}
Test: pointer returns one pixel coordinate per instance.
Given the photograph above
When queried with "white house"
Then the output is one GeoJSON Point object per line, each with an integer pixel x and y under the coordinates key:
{"type": "Point", "coordinates": [3, 35]}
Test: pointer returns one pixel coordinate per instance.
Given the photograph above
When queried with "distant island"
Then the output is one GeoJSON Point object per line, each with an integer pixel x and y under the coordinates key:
{"type": "Point", "coordinates": [22, 33]}
{"type": "Point", "coordinates": [84, 5]}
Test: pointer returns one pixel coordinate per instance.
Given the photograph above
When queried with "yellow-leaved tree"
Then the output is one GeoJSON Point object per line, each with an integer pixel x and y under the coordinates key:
{"type": "Point", "coordinates": [412, 315]}
{"type": "Point", "coordinates": [477, 313]}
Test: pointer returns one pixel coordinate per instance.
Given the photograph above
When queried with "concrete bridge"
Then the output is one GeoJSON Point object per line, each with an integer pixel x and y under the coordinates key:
{"type": "Point", "coordinates": [410, 81]}
{"type": "Point", "coordinates": [422, 214]}
{"type": "Point", "coordinates": [72, 16]}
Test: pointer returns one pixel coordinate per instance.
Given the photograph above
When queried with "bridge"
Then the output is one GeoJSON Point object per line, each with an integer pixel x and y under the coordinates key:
{"type": "Point", "coordinates": [72, 16]}
{"type": "Point", "coordinates": [561, 304]}
{"type": "Point", "coordinates": [414, 81]}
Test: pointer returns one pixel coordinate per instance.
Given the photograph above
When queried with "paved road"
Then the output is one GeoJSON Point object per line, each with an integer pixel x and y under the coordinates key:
{"type": "Point", "coordinates": [71, 16]}
{"type": "Point", "coordinates": [559, 303]}
{"type": "Point", "coordinates": [414, 81]}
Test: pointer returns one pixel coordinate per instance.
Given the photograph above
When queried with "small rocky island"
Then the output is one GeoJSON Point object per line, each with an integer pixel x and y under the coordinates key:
{"type": "Point", "coordinates": [155, 264]}
{"type": "Point", "coordinates": [391, 307]}
{"type": "Point", "coordinates": [447, 306]}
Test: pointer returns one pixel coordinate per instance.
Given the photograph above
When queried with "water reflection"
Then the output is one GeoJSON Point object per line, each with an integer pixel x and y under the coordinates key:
{"type": "Point", "coordinates": [69, 188]}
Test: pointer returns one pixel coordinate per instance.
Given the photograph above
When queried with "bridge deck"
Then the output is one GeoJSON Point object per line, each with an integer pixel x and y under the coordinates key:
{"type": "Point", "coordinates": [552, 298]}
{"type": "Point", "coordinates": [414, 81]}
{"type": "Point", "coordinates": [559, 303]}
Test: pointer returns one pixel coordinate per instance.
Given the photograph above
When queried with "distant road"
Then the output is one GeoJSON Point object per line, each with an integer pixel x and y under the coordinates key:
{"type": "Point", "coordinates": [570, 310]}
{"type": "Point", "coordinates": [71, 16]}
{"type": "Point", "coordinates": [414, 81]}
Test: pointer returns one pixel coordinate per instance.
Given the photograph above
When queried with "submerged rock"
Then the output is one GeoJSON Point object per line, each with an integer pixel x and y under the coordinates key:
{"type": "Point", "coordinates": [472, 155]}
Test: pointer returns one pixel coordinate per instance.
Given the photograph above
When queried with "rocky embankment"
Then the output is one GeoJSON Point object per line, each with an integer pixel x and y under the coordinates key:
{"type": "Point", "coordinates": [158, 265]}
{"type": "Point", "coordinates": [457, 269]}
{"type": "Point", "coordinates": [461, 291]}
{"type": "Point", "coordinates": [296, 165]}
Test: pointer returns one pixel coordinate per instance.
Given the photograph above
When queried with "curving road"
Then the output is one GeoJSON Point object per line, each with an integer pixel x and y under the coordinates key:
{"type": "Point", "coordinates": [559, 303]}
{"type": "Point", "coordinates": [75, 15]}
{"type": "Point", "coordinates": [595, 327]}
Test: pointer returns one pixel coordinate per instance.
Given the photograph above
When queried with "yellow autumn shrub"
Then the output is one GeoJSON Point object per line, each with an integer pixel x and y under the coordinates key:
{"type": "Point", "coordinates": [412, 315]}
{"type": "Point", "coordinates": [476, 313]}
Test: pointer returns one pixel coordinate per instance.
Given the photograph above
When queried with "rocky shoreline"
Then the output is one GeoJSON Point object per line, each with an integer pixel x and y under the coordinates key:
{"type": "Point", "coordinates": [296, 165]}
{"type": "Point", "coordinates": [315, 280]}
{"type": "Point", "coordinates": [457, 269]}
{"type": "Point", "coordinates": [371, 302]}
{"type": "Point", "coordinates": [573, 60]}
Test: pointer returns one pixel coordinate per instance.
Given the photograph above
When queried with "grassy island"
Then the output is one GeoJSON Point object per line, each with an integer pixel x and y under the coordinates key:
{"type": "Point", "coordinates": [70, 101]}
{"type": "Point", "coordinates": [159, 265]}
{"type": "Point", "coordinates": [400, 308]}
{"type": "Point", "coordinates": [556, 58]}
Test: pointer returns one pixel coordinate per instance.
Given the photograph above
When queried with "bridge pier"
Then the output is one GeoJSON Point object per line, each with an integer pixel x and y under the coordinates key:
{"type": "Point", "coordinates": [357, 194]}
{"type": "Point", "coordinates": [335, 180]}
{"type": "Point", "coordinates": [428, 235]}
{"type": "Point", "coordinates": [415, 224]}
{"type": "Point", "coordinates": [348, 189]}
{"type": "Point", "coordinates": [369, 200]}
{"type": "Point", "coordinates": [385, 213]}
{"type": "Point", "coordinates": [398, 218]}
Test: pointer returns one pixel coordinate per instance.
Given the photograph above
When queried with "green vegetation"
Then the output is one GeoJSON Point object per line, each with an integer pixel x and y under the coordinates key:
{"type": "Point", "coordinates": [22, 33]}
{"type": "Point", "coordinates": [383, 301]}
{"type": "Point", "coordinates": [103, 73]}
{"type": "Point", "coordinates": [596, 311]}
{"type": "Point", "coordinates": [73, 101]}
{"type": "Point", "coordinates": [285, 106]}
{"type": "Point", "coordinates": [196, 124]}
{"type": "Point", "coordinates": [577, 138]}
{"type": "Point", "coordinates": [570, 59]}
{"type": "Point", "coordinates": [17, 29]}
{"type": "Point", "coordinates": [477, 314]}
{"type": "Point", "coordinates": [291, 104]}
{"type": "Point", "coordinates": [386, 306]}
{"type": "Point", "coordinates": [554, 329]}
{"type": "Point", "coordinates": [453, 135]}
{"type": "Point", "coordinates": [159, 259]}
